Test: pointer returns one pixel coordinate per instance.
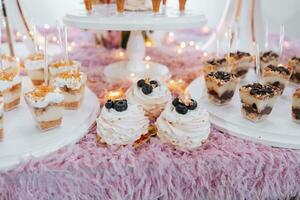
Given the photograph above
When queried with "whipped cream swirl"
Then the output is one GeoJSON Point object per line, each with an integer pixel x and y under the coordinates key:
{"type": "Point", "coordinates": [52, 97]}
{"type": "Point", "coordinates": [6, 84]}
{"type": "Point", "coordinates": [70, 82]}
{"type": "Point", "coordinates": [122, 128]}
{"type": "Point", "coordinates": [187, 130]}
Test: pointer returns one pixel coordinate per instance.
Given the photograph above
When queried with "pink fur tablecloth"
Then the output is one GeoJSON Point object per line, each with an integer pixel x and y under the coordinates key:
{"type": "Point", "coordinates": [225, 167]}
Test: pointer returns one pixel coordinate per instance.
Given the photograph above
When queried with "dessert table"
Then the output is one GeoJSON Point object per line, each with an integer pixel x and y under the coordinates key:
{"type": "Point", "coordinates": [224, 167]}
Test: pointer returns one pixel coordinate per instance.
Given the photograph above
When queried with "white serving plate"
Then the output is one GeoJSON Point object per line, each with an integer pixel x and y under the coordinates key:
{"type": "Point", "coordinates": [23, 139]}
{"type": "Point", "coordinates": [277, 130]}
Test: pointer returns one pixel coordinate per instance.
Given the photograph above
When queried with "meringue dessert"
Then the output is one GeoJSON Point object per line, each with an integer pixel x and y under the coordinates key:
{"type": "Point", "coordinates": [276, 75]}
{"type": "Point", "coordinates": [63, 66]}
{"type": "Point", "coordinates": [138, 5]}
{"type": "Point", "coordinates": [121, 123]}
{"type": "Point", "coordinates": [10, 87]}
{"type": "Point", "coordinates": [34, 65]}
{"type": "Point", "coordinates": [257, 101]}
{"type": "Point", "coordinates": [294, 63]}
{"type": "Point", "coordinates": [183, 123]}
{"type": "Point", "coordinates": [9, 64]}
{"type": "Point", "coordinates": [240, 63]}
{"type": "Point", "coordinates": [46, 105]}
{"type": "Point", "coordinates": [72, 85]}
{"type": "Point", "coordinates": [1, 117]}
{"type": "Point", "coordinates": [268, 58]}
{"type": "Point", "coordinates": [152, 95]}
{"type": "Point", "coordinates": [296, 106]}
{"type": "Point", "coordinates": [220, 87]}
{"type": "Point", "coordinates": [216, 65]}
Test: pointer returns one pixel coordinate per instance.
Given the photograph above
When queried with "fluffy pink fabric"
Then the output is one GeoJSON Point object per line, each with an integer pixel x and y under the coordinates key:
{"type": "Point", "coordinates": [223, 168]}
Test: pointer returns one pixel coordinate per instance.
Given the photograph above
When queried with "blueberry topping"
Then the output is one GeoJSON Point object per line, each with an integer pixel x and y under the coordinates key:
{"type": "Point", "coordinates": [181, 109]}
{"type": "Point", "coordinates": [109, 104]}
{"type": "Point", "coordinates": [147, 89]}
{"type": "Point", "coordinates": [192, 105]}
{"type": "Point", "coordinates": [154, 83]}
{"type": "Point", "coordinates": [175, 102]}
{"type": "Point", "coordinates": [225, 76]}
{"type": "Point", "coordinates": [121, 105]}
{"type": "Point", "coordinates": [259, 89]}
{"type": "Point", "coordinates": [279, 69]}
{"type": "Point", "coordinates": [141, 83]}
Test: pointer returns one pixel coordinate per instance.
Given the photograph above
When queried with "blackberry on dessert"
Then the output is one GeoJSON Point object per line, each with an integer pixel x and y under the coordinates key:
{"type": "Point", "coordinates": [118, 105]}
{"type": "Point", "coordinates": [296, 106]}
{"type": "Point", "coordinates": [183, 105]}
{"type": "Point", "coordinates": [294, 64]}
{"type": "Point", "coordinates": [147, 85]}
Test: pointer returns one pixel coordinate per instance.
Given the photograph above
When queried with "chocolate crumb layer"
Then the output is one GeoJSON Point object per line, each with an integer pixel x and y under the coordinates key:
{"type": "Point", "coordinates": [269, 54]}
{"type": "Point", "coordinates": [280, 69]}
{"type": "Point", "coordinates": [216, 61]}
{"type": "Point", "coordinates": [224, 97]}
{"type": "Point", "coordinates": [239, 54]}
{"type": "Point", "coordinates": [296, 112]}
{"type": "Point", "coordinates": [251, 109]}
{"type": "Point", "coordinates": [220, 75]}
{"type": "Point", "coordinates": [296, 58]}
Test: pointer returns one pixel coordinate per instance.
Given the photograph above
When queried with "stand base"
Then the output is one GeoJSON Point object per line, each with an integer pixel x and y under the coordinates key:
{"type": "Point", "coordinates": [118, 72]}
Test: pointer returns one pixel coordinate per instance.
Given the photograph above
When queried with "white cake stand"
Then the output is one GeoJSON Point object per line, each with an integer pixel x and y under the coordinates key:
{"type": "Point", "coordinates": [106, 18]}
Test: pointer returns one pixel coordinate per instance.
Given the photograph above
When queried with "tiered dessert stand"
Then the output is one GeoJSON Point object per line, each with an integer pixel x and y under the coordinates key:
{"type": "Point", "coordinates": [106, 18]}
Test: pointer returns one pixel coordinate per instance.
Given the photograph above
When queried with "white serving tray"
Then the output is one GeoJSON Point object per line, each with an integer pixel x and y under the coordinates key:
{"type": "Point", "coordinates": [277, 130]}
{"type": "Point", "coordinates": [23, 139]}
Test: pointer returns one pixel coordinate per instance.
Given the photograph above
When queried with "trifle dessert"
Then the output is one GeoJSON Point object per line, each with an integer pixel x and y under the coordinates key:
{"type": "Point", "coordinates": [276, 75]}
{"type": "Point", "coordinates": [9, 64]}
{"type": "Point", "coordinates": [294, 63]}
{"type": "Point", "coordinates": [121, 123]}
{"type": "Point", "coordinates": [268, 58]}
{"type": "Point", "coordinates": [220, 87]}
{"type": "Point", "coordinates": [138, 5]}
{"type": "Point", "coordinates": [152, 95]}
{"type": "Point", "coordinates": [72, 85]}
{"type": "Point", "coordinates": [257, 100]}
{"type": "Point", "coordinates": [240, 63]}
{"type": "Point", "coordinates": [46, 105]}
{"type": "Point", "coordinates": [183, 123]}
{"type": "Point", "coordinates": [34, 65]}
{"type": "Point", "coordinates": [216, 65]}
{"type": "Point", "coordinates": [296, 106]}
{"type": "Point", "coordinates": [10, 88]}
{"type": "Point", "coordinates": [1, 118]}
{"type": "Point", "coordinates": [63, 66]}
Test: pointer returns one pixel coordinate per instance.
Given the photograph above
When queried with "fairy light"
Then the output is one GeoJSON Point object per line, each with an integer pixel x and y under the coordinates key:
{"type": "Point", "coordinates": [177, 85]}
{"type": "Point", "coordinates": [147, 58]}
{"type": "Point", "coordinates": [132, 75]}
{"type": "Point", "coordinates": [286, 44]}
{"type": "Point", "coordinates": [121, 54]}
{"type": "Point", "coordinates": [205, 29]}
{"type": "Point", "coordinates": [205, 54]}
{"type": "Point", "coordinates": [54, 39]}
{"type": "Point", "coordinates": [197, 47]}
{"type": "Point", "coordinates": [147, 66]}
{"type": "Point", "coordinates": [46, 26]}
{"type": "Point", "coordinates": [24, 37]}
{"type": "Point", "coordinates": [171, 34]}
{"type": "Point", "coordinates": [148, 43]}
{"type": "Point", "coordinates": [182, 45]}
{"type": "Point", "coordinates": [191, 43]}
{"type": "Point", "coordinates": [179, 51]}
{"type": "Point", "coordinates": [114, 94]}
{"type": "Point", "coordinates": [18, 35]}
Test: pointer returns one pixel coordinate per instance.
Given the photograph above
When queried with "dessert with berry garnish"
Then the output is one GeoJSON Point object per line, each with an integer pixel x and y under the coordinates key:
{"type": "Point", "coordinates": [9, 64]}
{"type": "Point", "coordinates": [72, 85]}
{"type": "Point", "coordinates": [121, 123]}
{"type": "Point", "coordinates": [294, 63]}
{"type": "Point", "coordinates": [10, 88]}
{"type": "Point", "coordinates": [183, 123]}
{"type": "Point", "coordinates": [240, 63]}
{"type": "Point", "coordinates": [34, 65]}
{"type": "Point", "coordinates": [153, 95]}
{"type": "Point", "coordinates": [257, 100]}
{"type": "Point", "coordinates": [46, 105]}
{"type": "Point", "coordinates": [216, 65]}
{"type": "Point", "coordinates": [220, 87]}
{"type": "Point", "coordinates": [268, 58]}
{"type": "Point", "coordinates": [296, 106]}
{"type": "Point", "coordinates": [63, 66]}
{"type": "Point", "coordinates": [276, 75]}
{"type": "Point", "coordinates": [1, 117]}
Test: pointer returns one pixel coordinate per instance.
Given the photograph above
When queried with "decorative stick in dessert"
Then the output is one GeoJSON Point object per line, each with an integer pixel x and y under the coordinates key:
{"type": "Point", "coordinates": [46, 105]}
{"type": "Point", "coordinates": [294, 63]}
{"type": "Point", "coordinates": [183, 123]}
{"type": "Point", "coordinates": [257, 100]}
{"type": "Point", "coordinates": [216, 65]}
{"type": "Point", "coordinates": [1, 118]}
{"type": "Point", "coordinates": [268, 58]}
{"type": "Point", "coordinates": [9, 64]}
{"type": "Point", "coordinates": [296, 106]}
{"type": "Point", "coordinates": [34, 65]}
{"type": "Point", "coordinates": [220, 87]}
{"type": "Point", "coordinates": [10, 87]}
{"type": "Point", "coordinates": [156, 5]}
{"type": "Point", "coordinates": [137, 5]}
{"type": "Point", "coordinates": [153, 95]}
{"type": "Point", "coordinates": [63, 66]}
{"type": "Point", "coordinates": [121, 123]}
{"type": "Point", "coordinates": [240, 63]}
{"type": "Point", "coordinates": [72, 85]}
{"type": "Point", "coordinates": [277, 76]}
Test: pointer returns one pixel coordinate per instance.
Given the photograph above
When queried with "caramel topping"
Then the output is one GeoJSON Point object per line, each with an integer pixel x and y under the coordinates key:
{"type": "Point", "coordinates": [41, 91]}
{"type": "Point", "coordinates": [62, 63]}
{"type": "Point", "coordinates": [6, 57]}
{"type": "Point", "coordinates": [6, 76]}
{"type": "Point", "coordinates": [69, 74]}
{"type": "Point", "coordinates": [37, 56]}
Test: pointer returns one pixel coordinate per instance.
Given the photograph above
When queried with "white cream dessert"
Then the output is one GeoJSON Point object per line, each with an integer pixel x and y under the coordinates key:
{"type": "Point", "coordinates": [216, 65]}
{"type": "Point", "coordinates": [10, 87]}
{"type": "Point", "coordinates": [240, 63]}
{"type": "Point", "coordinates": [220, 87]}
{"type": "Point", "coordinates": [63, 66]}
{"type": "Point", "coordinates": [34, 65]}
{"type": "Point", "coordinates": [257, 100]}
{"type": "Point", "coordinates": [9, 64]}
{"type": "Point", "coordinates": [276, 75]}
{"type": "Point", "coordinates": [138, 5]}
{"type": "Point", "coordinates": [46, 105]}
{"type": "Point", "coordinates": [72, 85]}
{"type": "Point", "coordinates": [153, 95]}
{"type": "Point", "coordinates": [296, 106]}
{"type": "Point", "coordinates": [294, 63]}
{"type": "Point", "coordinates": [268, 58]}
{"type": "Point", "coordinates": [183, 123]}
{"type": "Point", "coordinates": [121, 123]}
{"type": "Point", "coordinates": [1, 118]}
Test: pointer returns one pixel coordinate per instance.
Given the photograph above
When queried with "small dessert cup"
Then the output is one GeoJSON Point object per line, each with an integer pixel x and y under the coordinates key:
{"type": "Point", "coordinates": [296, 106]}
{"type": "Point", "coordinates": [9, 64]}
{"type": "Point", "coordinates": [63, 66]}
{"type": "Point", "coordinates": [34, 66]}
{"type": "Point", "coordinates": [268, 58]}
{"type": "Point", "coordinates": [294, 63]}
{"type": "Point", "coordinates": [214, 65]}
{"type": "Point", "coordinates": [240, 63]}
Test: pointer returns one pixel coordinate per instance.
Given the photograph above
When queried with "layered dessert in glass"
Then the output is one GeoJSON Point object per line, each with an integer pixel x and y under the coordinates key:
{"type": "Point", "coordinates": [241, 62]}
{"type": "Point", "coordinates": [63, 66]}
{"type": "Point", "coordinates": [294, 63]}
{"type": "Point", "coordinates": [9, 64]}
{"type": "Point", "coordinates": [34, 65]}
{"type": "Point", "coordinates": [216, 65]}
{"type": "Point", "coordinates": [268, 58]}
